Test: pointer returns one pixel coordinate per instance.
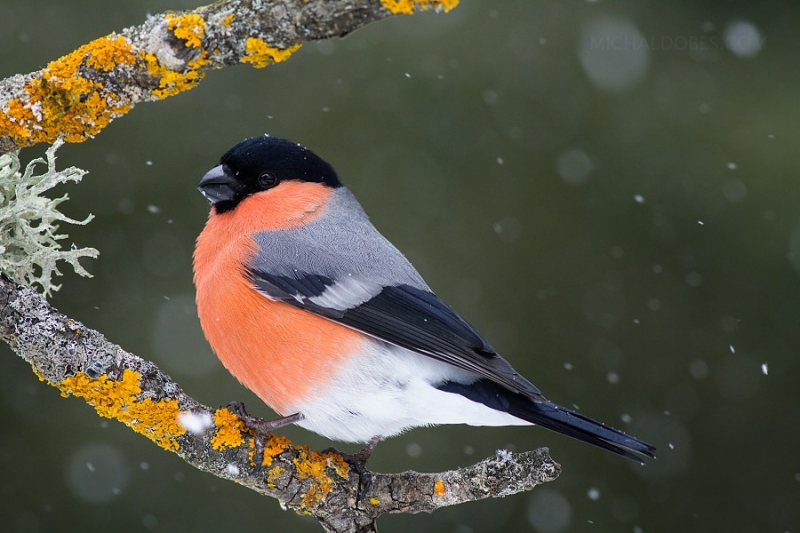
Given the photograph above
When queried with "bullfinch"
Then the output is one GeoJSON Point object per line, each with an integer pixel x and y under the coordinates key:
{"type": "Point", "coordinates": [312, 309]}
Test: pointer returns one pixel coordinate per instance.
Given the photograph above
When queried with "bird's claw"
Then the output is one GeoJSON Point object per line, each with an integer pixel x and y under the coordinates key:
{"type": "Point", "coordinates": [358, 461]}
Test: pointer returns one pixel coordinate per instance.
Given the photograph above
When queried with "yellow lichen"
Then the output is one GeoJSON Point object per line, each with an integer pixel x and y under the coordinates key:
{"type": "Point", "coordinates": [438, 488]}
{"type": "Point", "coordinates": [201, 61]}
{"type": "Point", "coordinates": [171, 82]}
{"type": "Point", "coordinates": [156, 420]}
{"type": "Point", "coordinates": [62, 100]}
{"type": "Point", "coordinates": [273, 475]}
{"type": "Point", "coordinates": [260, 54]}
{"type": "Point", "coordinates": [374, 501]}
{"type": "Point", "coordinates": [109, 53]}
{"type": "Point", "coordinates": [273, 447]}
{"type": "Point", "coordinates": [336, 462]}
{"type": "Point", "coordinates": [308, 465]}
{"type": "Point", "coordinates": [407, 7]}
{"type": "Point", "coordinates": [313, 465]}
{"type": "Point", "coordinates": [189, 28]}
{"type": "Point", "coordinates": [230, 432]}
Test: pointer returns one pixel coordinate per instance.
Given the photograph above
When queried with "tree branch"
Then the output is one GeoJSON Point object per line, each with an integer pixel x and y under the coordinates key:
{"type": "Point", "coordinates": [81, 93]}
{"type": "Point", "coordinates": [331, 486]}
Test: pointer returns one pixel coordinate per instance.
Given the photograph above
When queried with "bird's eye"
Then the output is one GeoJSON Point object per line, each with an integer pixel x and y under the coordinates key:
{"type": "Point", "coordinates": [267, 180]}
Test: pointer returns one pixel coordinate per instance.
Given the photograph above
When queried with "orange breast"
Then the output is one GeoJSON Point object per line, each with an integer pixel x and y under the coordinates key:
{"type": "Point", "coordinates": [281, 353]}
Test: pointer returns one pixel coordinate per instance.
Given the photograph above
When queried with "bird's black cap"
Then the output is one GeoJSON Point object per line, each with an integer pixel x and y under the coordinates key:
{"type": "Point", "coordinates": [258, 164]}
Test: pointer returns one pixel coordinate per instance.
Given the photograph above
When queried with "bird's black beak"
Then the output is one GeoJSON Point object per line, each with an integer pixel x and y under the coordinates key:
{"type": "Point", "coordinates": [218, 185]}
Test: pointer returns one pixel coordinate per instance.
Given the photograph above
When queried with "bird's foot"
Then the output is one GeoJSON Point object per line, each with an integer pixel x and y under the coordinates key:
{"type": "Point", "coordinates": [360, 458]}
{"type": "Point", "coordinates": [261, 427]}
{"type": "Point", "coordinates": [359, 462]}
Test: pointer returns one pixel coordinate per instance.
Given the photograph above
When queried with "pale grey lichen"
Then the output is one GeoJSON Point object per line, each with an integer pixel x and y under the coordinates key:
{"type": "Point", "coordinates": [29, 222]}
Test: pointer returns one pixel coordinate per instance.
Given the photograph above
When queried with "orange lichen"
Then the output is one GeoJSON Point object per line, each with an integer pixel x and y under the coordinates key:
{"type": "Point", "coordinates": [156, 420]}
{"type": "Point", "coordinates": [111, 53]}
{"type": "Point", "coordinates": [107, 396]}
{"type": "Point", "coordinates": [231, 430]}
{"type": "Point", "coordinates": [227, 21]}
{"type": "Point", "coordinates": [273, 475]}
{"type": "Point", "coordinates": [313, 465]}
{"type": "Point", "coordinates": [63, 100]}
{"type": "Point", "coordinates": [189, 28]}
{"type": "Point", "coordinates": [438, 488]}
{"type": "Point", "coordinates": [338, 464]}
{"type": "Point", "coordinates": [260, 54]}
{"type": "Point", "coordinates": [201, 61]}
{"type": "Point", "coordinates": [274, 446]}
{"type": "Point", "coordinates": [407, 7]}
{"type": "Point", "coordinates": [171, 82]}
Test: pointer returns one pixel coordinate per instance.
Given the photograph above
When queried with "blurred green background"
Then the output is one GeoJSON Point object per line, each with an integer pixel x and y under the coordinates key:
{"type": "Point", "coordinates": [608, 190]}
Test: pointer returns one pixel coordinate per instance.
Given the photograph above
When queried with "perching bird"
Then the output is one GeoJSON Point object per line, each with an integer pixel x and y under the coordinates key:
{"type": "Point", "coordinates": [312, 309]}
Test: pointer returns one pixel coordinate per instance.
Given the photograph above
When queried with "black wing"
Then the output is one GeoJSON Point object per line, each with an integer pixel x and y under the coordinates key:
{"type": "Point", "coordinates": [402, 315]}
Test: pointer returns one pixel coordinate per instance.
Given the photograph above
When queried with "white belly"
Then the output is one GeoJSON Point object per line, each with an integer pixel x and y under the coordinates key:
{"type": "Point", "coordinates": [387, 390]}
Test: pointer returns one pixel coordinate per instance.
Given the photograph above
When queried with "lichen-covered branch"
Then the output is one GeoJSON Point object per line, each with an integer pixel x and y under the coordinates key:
{"type": "Point", "coordinates": [77, 95]}
{"type": "Point", "coordinates": [333, 487]}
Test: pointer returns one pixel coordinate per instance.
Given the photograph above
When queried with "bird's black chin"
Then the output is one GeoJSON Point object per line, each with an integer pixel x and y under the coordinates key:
{"type": "Point", "coordinates": [220, 188]}
{"type": "Point", "coordinates": [224, 206]}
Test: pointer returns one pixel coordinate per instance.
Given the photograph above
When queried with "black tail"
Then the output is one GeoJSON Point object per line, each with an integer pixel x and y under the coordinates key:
{"type": "Point", "coordinates": [547, 414]}
{"type": "Point", "coordinates": [581, 427]}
